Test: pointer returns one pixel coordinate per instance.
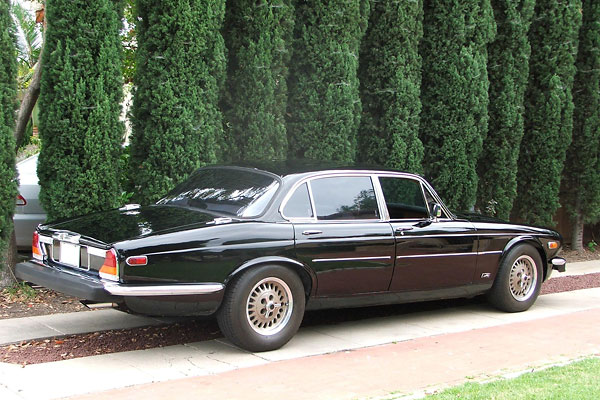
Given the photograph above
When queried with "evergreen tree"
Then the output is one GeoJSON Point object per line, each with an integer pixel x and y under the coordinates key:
{"type": "Point", "coordinates": [582, 167]}
{"type": "Point", "coordinates": [81, 91]}
{"type": "Point", "coordinates": [8, 95]}
{"type": "Point", "coordinates": [455, 94]}
{"type": "Point", "coordinates": [390, 86]}
{"type": "Point", "coordinates": [508, 69]}
{"type": "Point", "coordinates": [548, 109]}
{"type": "Point", "coordinates": [258, 37]}
{"type": "Point", "coordinates": [323, 104]}
{"type": "Point", "coordinates": [180, 70]}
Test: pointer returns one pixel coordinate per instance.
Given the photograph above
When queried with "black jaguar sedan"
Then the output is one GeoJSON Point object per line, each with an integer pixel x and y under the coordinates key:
{"type": "Point", "coordinates": [257, 245]}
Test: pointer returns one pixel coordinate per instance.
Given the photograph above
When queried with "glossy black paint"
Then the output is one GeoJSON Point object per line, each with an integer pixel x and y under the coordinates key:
{"type": "Point", "coordinates": [341, 263]}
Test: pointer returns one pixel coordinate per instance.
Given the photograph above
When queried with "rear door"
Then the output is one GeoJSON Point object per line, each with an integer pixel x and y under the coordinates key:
{"type": "Point", "coordinates": [340, 234]}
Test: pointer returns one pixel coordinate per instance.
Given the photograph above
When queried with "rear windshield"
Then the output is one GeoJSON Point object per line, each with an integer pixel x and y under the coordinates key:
{"type": "Point", "coordinates": [230, 191]}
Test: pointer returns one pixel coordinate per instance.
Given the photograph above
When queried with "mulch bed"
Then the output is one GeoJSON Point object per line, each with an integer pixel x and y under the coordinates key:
{"type": "Point", "coordinates": [44, 302]}
{"type": "Point", "coordinates": [113, 341]}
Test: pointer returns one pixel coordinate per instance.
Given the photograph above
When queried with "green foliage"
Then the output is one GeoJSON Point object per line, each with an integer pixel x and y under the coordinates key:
{"type": "Point", "coordinates": [508, 68]}
{"type": "Point", "coordinates": [548, 109]}
{"type": "Point", "coordinates": [29, 42]}
{"type": "Point", "coordinates": [390, 86]}
{"type": "Point", "coordinates": [455, 95]}
{"type": "Point", "coordinates": [323, 104]}
{"type": "Point", "coordinates": [582, 167]}
{"type": "Point", "coordinates": [180, 70]}
{"type": "Point", "coordinates": [258, 36]}
{"type": "Point", "coordinates": [129, 40]}
{"type": "Point", "coordinates": [8, 95]}
{"type": "Point", "coordinates": [79, 125]}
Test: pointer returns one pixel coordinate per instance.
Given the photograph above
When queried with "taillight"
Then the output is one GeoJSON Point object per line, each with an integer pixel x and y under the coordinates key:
{"type": "Point", "coordinates": [21, 201]}
{"type": "Point", "coordinates": [35, 247]}
{"type": "Point", "coordinates": [109, 269]}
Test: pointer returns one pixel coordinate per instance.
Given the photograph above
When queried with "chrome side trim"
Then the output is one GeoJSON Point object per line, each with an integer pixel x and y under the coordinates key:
{"type": "Point", "coordinates": [452, 254]}
{"type": "Point", "coordinates": [437, 255]}
{"type": "Point", "coordinates": [352, 259]}
{"type": "Point", "coordinates": [163, 290]}
{"type": "Point", "coordinates": [484, 253]}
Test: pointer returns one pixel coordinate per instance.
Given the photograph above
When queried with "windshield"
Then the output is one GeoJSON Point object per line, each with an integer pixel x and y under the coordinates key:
{"type": "Point", "coordinates": [227, 190]}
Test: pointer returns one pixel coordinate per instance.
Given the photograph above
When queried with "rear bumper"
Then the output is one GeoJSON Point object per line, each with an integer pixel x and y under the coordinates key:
{"type": "Point", "coordinates": [70, 282]}
{"type": "Point", "coordinates": [85, 286]}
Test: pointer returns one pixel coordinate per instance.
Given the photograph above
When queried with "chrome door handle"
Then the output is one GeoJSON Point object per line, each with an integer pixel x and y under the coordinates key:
{"type": "Point", "coordinates": [401, 230]}
{"type": "Point", "coordinates": [312, 232]}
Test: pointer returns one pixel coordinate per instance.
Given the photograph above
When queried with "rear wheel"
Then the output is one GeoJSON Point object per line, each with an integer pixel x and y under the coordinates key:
{"type": "Point", "coordinates": [263, 308]}
{"type": "Point", "coordinates": [519, 280]}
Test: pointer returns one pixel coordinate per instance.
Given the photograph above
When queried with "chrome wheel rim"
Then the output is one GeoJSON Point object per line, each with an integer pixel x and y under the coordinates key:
{"type": "Point", "coordinates": [523, 278]}
{"type": "Point", "coordinates": [269, 306]}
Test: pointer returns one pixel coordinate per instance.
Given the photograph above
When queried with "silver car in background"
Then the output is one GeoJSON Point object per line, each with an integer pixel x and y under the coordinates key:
{"type": "Point", "coordinates": [29, 212]}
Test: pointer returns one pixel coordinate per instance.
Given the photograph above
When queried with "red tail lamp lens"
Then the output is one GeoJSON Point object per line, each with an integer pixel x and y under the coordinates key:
{"type": "Point", "coordinates": [109, 268]}
{"type": "Point", "coordinates": [21, 201]}
{"type": "Point", "coordinates": [35, 246]}
{"type": "Point", "coordinates": [137, 260]}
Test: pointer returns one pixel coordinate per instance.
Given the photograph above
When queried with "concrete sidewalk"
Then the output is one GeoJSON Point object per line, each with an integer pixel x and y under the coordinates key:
{"type": "Point", "coordinates": [394, 370]}
{"type": "Point", "coordinates": [45, 326]}
{"type": "Point", "coordinates": [218, 358]}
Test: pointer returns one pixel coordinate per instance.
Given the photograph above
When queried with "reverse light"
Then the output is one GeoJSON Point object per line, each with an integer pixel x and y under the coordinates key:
{"type": "Point", "coordinates": [109, 269]}
{"type": "Point", "coordinates": [553, 245]}
{"type": "Point", "coordinates": [36, 250]}
{"type": "Point", "coordinates": [136, 261]}
{"type": "Point", "coordinates": [21, 200]}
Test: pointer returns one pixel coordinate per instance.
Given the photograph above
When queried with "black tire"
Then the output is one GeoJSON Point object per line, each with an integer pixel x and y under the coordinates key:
{"type": "Point", "coordinates": [518, 281]}
{"type": "Point", "coordinates": [263, 308]}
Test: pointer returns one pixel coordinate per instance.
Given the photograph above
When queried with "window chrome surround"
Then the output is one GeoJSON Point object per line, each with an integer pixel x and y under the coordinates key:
{"type": "Point", "coordinates": [330, 174]}
{"type": "Point", "coordinates": [382, 208]}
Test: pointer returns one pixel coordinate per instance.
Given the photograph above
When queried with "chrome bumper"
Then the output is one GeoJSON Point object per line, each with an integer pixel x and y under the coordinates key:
{"type": "Point", "coordinates": [559, 264]}
{"type": "Point", "coordinates": [84, 285]}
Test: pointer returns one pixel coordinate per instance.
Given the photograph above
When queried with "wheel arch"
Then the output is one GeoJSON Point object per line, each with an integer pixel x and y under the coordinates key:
{"type": "Point", "coordinates": [306, 275]}
{"type": "Point", "coordinates": [533, 242]}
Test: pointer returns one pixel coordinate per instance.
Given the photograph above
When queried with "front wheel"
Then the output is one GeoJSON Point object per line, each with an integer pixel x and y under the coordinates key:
{"type": "Point", "coordinates": [263, 308]}
{"type": "Point", "coordinates": [518, 281]}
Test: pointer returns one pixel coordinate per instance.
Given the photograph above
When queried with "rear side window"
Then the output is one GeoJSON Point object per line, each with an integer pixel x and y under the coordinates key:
{"type": "Point", "coordinates": [344, 198]}
{"type": "Point", "coordinates": [298, 205]}
{"type": "Point", "coordinates": [404, 198]}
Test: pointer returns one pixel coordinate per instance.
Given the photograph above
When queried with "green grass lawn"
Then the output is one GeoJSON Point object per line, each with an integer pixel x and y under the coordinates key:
{"type": "Point", "coordinates": [580, 380]}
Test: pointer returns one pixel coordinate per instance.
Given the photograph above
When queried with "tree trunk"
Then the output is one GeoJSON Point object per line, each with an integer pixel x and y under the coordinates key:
{"type": "Point", "coordinates": [9, 259]}
{"type": "Point", "coordinates": [29, 100]}
{"type": "Point", "coordinates": [577, 232]}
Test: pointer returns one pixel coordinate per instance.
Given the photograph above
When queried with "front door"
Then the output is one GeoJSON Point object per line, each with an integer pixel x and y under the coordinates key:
{"type": "Point", "coordinates": [431, 253]}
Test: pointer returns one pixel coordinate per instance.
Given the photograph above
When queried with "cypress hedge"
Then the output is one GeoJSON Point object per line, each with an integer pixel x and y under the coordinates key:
{"type": "Point", "coordinates": [581, 177]}
{"type": "Point", "coordinates": [8, 95]}
{"type": "Point", "coordinates": [324, 108]}
{"type": "Point", "coordinates": [455, 95]}
{"type": "Point", "coordinates": [81, 91]}
{"type": "Point", "coordinates": [508, 69]}
{"type": "Point", "coordinates": [258, 36]}
{"type": "Point", "coordinates": [390, 86]}
{"type": "Point", "coordinates": [548, 109]}
{"type": "Point", "coordinates": [180, 71]}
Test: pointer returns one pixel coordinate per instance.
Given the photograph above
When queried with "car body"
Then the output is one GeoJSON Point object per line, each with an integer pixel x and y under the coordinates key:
{"type": "Point", "coordinates": [258, 244]}
{"type": "Point", "coordinates": [29, 212]}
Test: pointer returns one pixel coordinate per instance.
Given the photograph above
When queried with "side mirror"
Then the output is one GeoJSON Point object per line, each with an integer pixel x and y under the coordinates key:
{"type": "Point", "coordinates": [437, 211]}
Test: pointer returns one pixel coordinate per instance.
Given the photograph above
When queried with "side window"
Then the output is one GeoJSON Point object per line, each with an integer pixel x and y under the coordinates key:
{"type": "Point", "coordinates": [342, 198]}
{"type": "Point", "coordinates": [403, 198]}
{"type": "Point", "coordinates": [298, 205]}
